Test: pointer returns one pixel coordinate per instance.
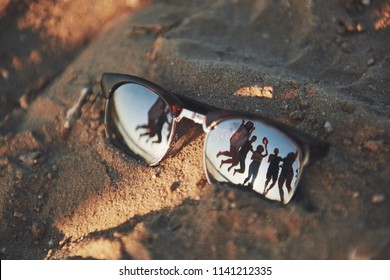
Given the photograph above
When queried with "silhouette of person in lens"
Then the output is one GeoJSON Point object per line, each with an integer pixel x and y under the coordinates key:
{"type": "Point", "coordinates": [273, 170]}
{"type": "Point", "coordinates": [256, 158]}
{"type": "Point", "coordinates": [287, 173]}
{"type": "Point", "coordinates": [237, 140]}
{"type": "Point", "coordinates": [242, 153]}
{"type": "Point", "coordinates": [157, 117]}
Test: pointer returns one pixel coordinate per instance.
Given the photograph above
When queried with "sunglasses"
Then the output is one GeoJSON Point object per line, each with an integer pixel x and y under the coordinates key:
{"type": "Point", "coordinates": [249, 151]}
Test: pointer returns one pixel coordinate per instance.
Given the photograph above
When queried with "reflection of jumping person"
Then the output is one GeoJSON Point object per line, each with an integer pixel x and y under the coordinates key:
{"type": "Point", "coordinates": [157, 117]}
{"type": "Point", "coordinates": [273, 170]}
{"type": "Point", "coordinates": [237, 140]}
{"type": "Point", "coordinates": [242, 153]}
{"type": "Point", "coordinates": [256, 158]}
{"type": "Point", "coordinates": [287, 173]}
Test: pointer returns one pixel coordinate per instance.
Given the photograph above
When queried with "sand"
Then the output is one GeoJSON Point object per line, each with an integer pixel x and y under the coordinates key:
{"type": "Point", "coordinates": [65, 193]}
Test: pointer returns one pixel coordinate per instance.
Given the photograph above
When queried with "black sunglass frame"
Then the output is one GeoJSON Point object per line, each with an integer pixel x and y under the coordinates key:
{"type": "Point", "coordinates": [312, 148]}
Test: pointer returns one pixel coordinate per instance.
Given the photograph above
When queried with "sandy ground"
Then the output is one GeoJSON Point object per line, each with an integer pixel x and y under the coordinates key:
{"type": "Point", "coordinates": [66, 194]}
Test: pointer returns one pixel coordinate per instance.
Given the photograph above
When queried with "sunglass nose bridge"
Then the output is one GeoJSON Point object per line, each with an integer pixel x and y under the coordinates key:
{"type": "Point", "coordinates": [195, 117]}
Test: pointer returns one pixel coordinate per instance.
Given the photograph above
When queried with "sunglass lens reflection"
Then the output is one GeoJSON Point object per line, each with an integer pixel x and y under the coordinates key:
{"type": "Point", "coordinates": [254, 156]}
{"type": "Point", "coordinates": [143, 120]}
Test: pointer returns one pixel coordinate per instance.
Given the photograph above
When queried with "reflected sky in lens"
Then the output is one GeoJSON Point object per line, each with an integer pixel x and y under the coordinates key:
{"type": "Point", "coordinates": [143, 119]}
{"type": "Point", "coordinates": [219, 150]}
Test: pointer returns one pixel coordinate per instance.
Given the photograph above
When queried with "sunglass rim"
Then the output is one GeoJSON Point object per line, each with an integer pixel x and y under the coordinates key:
{"type": "Point", "coordinates": [309, 145]}
{"type": "Point", "coordinates": [303, 155]}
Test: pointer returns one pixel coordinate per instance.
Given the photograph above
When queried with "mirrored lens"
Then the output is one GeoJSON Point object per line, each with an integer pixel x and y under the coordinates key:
{"type": "Point", "coordinates": [254, 156]}
{"type": "Point", "coordinates": [143, 120]}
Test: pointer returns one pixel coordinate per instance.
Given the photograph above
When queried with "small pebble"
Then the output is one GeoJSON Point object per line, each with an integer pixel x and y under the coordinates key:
{"type": "Point", "coordinates": [373, 145]}
{"type": "Point", "coordinates": [23, 101]}
{"type": "Point", "coordinates": [19, 174]}
{"type": "Point", "coordinates": [18, 214]}
{"type": "Point", "coordinates": [35, 57]}
{"type": "Point", "coordinates": [233, 205]}
{"type": "Point", "coordinates": [4, 73]}
{"type": "Point", "coordinates": [30, 158]}
{"type": "Point", "coordinates": [370, 62]}
{"type": "Point", "coordinates": [297, 115]}
{"type": "Point", "coordinates": [349, 25]}
{"type": "Point", "coordinates": [294, 84]}
{"type": "Point", "coordinates": [355, 194]}
{"type": "Point", "coordinates": [347, 106]}
{"type": "Point", "coordinates": [50, 176]}
{"type": "Point", "coordinates": [366, 2]}
{"type": "Point", "coordinates": [360, 27]}
{"type": "Point", "coordinates": [50, 242]}
{"type": "Point", "coordinates": [378, 198]}
{"type": "Point", "coordinates": [38, 230]}
{"type": "Point", "coordinates": [175, 185]}
{"type": "Point", "coordinates": [347, 47]}
{"type": "Point", "coordinates": [328, 127]}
